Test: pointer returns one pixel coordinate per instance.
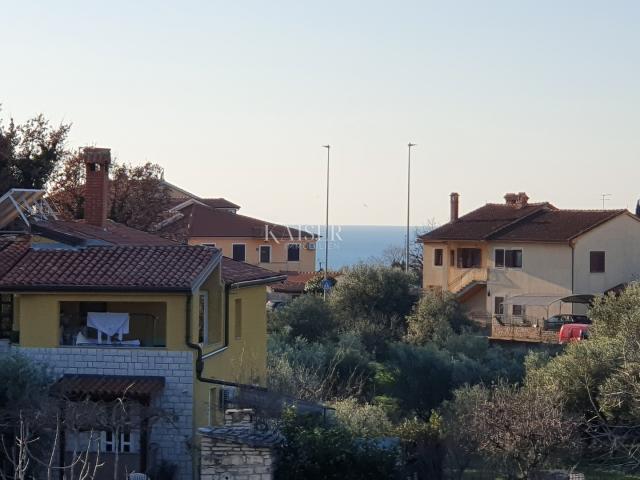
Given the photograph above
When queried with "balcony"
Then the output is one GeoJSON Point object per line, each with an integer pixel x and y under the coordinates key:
{"type": "Point", "coordinates": [113, 324]}
{"type": "Point", "coordinates": [467, 278]}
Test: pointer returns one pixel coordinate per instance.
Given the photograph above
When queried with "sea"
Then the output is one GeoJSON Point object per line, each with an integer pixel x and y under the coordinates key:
{"type": "Point", "coordinates": [353, 244]}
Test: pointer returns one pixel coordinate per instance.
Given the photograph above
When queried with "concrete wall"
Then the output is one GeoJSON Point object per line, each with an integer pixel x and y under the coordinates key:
{"type": "Point", "coordinates": [172, 440]}
{"type": "Point", "coordinates": [278, 262]}
{"type": "Point", "coordinates": [620, 240]}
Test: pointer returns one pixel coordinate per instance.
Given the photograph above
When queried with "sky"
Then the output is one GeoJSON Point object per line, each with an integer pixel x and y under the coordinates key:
{"type": "Point", "coordinates": [235, 98]}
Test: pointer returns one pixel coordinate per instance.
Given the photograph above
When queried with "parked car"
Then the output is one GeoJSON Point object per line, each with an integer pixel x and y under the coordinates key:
{"type": "Point", "coordinates": [573, 332]}
{"type": "Point", "coordinates": [557, 321]}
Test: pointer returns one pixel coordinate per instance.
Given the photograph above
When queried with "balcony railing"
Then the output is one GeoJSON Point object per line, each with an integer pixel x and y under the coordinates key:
{"type": "Point", "coordinates": [466, 278]}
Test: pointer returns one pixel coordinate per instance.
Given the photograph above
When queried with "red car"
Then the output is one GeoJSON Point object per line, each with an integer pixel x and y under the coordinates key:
{"type": "Point", "coordinates": [573, 332]}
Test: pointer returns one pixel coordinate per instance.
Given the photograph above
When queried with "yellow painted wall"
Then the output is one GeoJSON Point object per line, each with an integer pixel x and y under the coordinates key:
{"type": "Point", "coordinates": [278, 262]}
{"type": "Point", "coordinates": [441, 276]}
{"type": "Point", "coordinates": [245, 359]}
{"type": "Point", "coordinates": [39, 314]}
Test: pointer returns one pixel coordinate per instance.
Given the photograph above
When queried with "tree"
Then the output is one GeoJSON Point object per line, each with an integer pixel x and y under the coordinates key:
{"type": "Point", "coordinates": [364, 420]}
{"type": "Point", "coordinates": [435, 318]}
{"type": "Point", "coordinates": [138, 197]}
{"type": "Point", "coordinates": [315, 450]}
{"type": "Point", "coordinates": [423, 447]}
{"type": "Point", "coordinates": [520, 429]}
{"type": "Point", "coordinates": [376, 292]}
{"type": "Point", "coordinates": [29, 153]}
{"type": "Point", "coordinates": [307, 316]}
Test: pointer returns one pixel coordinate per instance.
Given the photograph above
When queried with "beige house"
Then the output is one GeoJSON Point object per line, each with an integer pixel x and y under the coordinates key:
{"type": "Point", "coordinates": [512, 262]}
{"type": "Point", "coordinates": [216, 222]}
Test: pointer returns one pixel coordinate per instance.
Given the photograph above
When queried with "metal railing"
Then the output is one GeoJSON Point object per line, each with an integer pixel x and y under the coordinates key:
{"type": "Point", "coordinates": [467, 277]}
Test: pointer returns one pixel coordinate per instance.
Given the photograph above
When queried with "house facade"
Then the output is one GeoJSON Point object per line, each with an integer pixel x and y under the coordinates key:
{"type": "Point", "coordinates": [512, 263]}
{"type": "Point", "coordinates": [216, 222]}
{"type": "Point", "coordinates": [117, 313]}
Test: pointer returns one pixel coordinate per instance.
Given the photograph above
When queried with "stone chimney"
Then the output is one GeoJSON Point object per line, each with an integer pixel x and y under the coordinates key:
{"type": "Point", "coordinates": [239, 418]}
{"type": "Point", "coordinates": [454, 206]}
{"type": "Point", "coordinates": [96, 192]}
{"type": "Point", "coordinates": [517, 200]}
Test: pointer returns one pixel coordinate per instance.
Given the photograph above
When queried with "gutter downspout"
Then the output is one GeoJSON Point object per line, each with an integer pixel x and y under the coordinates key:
{"type": "Point", "coordinates": [198, 348]}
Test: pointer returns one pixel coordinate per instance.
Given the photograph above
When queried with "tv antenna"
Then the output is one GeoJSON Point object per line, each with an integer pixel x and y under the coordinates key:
{"type": "Point", "coordinates": [605, 198]}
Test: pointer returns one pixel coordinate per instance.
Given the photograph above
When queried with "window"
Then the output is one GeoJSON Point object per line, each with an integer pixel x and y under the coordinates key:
{"type": "Point", "coordinates": [293, 252]}
{"type": "Point", "coordinates": [469, 257]}
{"type": "Point", "coordinates": [6, 315]}
{"type": "Point", "coordinates": [452, 258]}
{"type": "Point", "coordinates": [203, 316]}
{"type": "Point", "coordinates": [517, 310]}
{"type": "Point", "coordinates": [113, 444]}
{"type": "Point", "coordinates": [239, 252]}
{"type": "Point", "coordinates": [437, 257]}
{"type": "Point", "coordinates": [265, 254]}
{"type": "Point", "coordinates": [508, 258]}
{"type": "Point", "coordinates": [498, 308]}
{"type": "Point", "coordinates": [596, 262]}
{"type": "Point", "coordinates": [513, 258]}
{"type": "Point", "coordinates": [238, 318]}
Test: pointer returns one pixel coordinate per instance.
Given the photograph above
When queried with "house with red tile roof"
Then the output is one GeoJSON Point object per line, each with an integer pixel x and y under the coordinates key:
{"type": "Point", "coordinates": [115, 312]}
{"type": "Point", "coordinates": [216, 222]}
{"type": "Point", "coordinates": [513, 263]}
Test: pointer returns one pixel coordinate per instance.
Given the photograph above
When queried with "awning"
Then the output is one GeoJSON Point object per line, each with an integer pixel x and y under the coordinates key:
{"type": "Point", "coordinates": [108, 387]}
{"type": "Point", "coordinates": [546, 300]}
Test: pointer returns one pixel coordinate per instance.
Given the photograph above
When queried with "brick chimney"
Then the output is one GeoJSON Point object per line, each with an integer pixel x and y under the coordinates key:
{"type": "Point", "coordinates": [454, 206]}
{"type": "Point", "coordinates": [96, 193]}
{"type": "Point", "coordinates": [517, 200]}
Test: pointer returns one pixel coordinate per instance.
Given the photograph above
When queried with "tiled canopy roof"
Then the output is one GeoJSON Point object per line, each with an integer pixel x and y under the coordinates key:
{"type": "Point", "coordinates": [113, 233]}
{"type": "Point", "coordinates": [12, 249]}
{"type": "Point", "coordinates": [112, 268]}
{"type": "Point", "coordinates": [540, 222]}
{"type": "Point", "coordinates": [236, 272]}
{"type": "Point", "coordinates": [108, 386]}
{"type": "Point", "coordinates": [202, 221]}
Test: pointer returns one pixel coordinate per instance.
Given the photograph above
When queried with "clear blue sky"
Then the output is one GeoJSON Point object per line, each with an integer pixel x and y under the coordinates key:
{"type": "Point", "coordinates": [235, 98]}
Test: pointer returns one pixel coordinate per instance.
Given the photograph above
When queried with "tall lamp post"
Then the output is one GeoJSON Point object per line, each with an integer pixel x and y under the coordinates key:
{"type": "Point", "coordinates": [326, 231]}
{"type": "Point", "coordinates": [406, 261]}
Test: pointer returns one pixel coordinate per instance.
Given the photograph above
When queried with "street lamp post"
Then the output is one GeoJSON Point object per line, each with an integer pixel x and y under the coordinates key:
{"type": "Point", "coordinates": [406, 258]}
{"type": "Point", "coordinates": [326, 230]}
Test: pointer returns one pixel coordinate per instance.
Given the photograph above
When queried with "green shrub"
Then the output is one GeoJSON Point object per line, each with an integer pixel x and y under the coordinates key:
{"type": "Point", "coordinates": [307, 316]}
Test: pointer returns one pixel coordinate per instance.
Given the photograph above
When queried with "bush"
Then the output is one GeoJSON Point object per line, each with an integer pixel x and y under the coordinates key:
{"type": "Point", "coordinates": [367, 290]}
{"type": "Point", "coordinates": [435, 318]}
{"type": "Point", "coordinates": [313, 450]}
{"type": "Point", "coordinates": [362, 420]}
{"type": "Point", "coordinates": [307, 316]}
{"type": "Point", "coordinates": [23, 384]}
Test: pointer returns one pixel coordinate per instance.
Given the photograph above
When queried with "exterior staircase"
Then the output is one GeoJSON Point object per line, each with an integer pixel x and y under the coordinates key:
{"type": "Point", "coordinates": [468, 281]}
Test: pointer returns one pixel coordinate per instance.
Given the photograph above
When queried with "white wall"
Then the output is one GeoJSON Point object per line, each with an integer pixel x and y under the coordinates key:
{"type": "Point", "coordinates": [620, 240]}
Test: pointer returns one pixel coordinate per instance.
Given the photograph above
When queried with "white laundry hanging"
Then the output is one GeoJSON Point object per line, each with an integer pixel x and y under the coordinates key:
{"type": "Point", "coordinates": [109, 324]}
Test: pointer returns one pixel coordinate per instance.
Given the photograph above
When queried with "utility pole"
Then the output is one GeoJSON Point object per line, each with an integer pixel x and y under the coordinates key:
{"type": "Point", "coordinates": [406, 258]}
{"type": "Point", "coordinates": [326, 230]}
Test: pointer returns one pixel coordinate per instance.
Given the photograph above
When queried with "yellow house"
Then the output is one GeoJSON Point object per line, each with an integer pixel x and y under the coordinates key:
{"type": "Point", "coordinates": [216, 222]}
{"type": "Point", "coordinates": [512, 264]}
{"type": "Point", "coordinates": [114, 311]}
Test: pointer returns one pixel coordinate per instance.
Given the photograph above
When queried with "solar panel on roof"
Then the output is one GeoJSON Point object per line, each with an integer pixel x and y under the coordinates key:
{"type": "Point", "coordinates": [23, 203]}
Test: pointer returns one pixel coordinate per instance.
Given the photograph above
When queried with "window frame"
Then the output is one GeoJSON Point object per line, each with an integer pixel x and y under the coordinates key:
{"type": "Point", "coordinates": [592, 258]}
{"type": "Point", "coordinates": [260, 253]}
{"type": "Point", "coordinates": [438, 254]}
{"type": "Point", "coordinates": [289, 245]}
{"type": "Point", "coordinates": [506, 255]}
{"type": "Point", "coordinates": [237, 318]}
{"type": "Point", "coordinates": [244, 246]}
{"type": "Point", "coordinates": [203, 323]}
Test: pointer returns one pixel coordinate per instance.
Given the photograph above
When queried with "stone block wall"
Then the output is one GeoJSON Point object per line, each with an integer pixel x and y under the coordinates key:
{"type": "Point", "coordinates": [227, 460]}
{"type": "Point", "coordinates": [169, 440]}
